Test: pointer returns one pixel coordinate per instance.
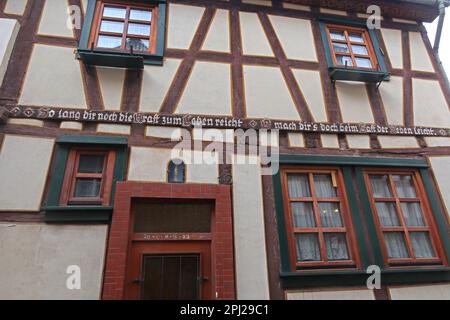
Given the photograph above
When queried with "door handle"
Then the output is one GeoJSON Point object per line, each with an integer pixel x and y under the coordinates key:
{"type": "Point", "coordinates": [137, 281]}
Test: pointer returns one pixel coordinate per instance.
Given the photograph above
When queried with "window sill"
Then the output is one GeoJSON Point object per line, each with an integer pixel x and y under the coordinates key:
{"type": "Point", "coordinates": [118, 59]}
{"type": "Point", "coordinates": [337, 73]}
{"type": "Point", "coordinates": [78, 214]}
{"type": "Point", "coordinates": [312, 279]}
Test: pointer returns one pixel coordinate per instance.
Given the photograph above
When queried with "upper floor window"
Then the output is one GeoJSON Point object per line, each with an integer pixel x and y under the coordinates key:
{"type": "Point", "coordinates": [351, 47]}
{"type": "Point", "coordinates": [403, 217]}
{"type": "Point", "coordinates": [88, 177]}
{"type": "Point", "coordinates": [124, 27]}
{"type": "Point", "coordinates": [320, 230]}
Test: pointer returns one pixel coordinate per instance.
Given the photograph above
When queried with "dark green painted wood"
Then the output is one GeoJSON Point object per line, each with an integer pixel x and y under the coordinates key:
{"type": "Point", "coordinates": [371, 227]}
{"type": "Point", "coordinates": [93, 140]}
{"type": "Point", "coordinates": [106, 58]}
{"type": "Point", "coordinates": [57, 176]}
{"type": "Point", "coordinates": [439, 216]}
{"type": "Point", "coordinates": [352, 161]}
{"type": "Point", "coordinates": [282, 233]}
{"type": "Point", "coordinates": [356, 219]}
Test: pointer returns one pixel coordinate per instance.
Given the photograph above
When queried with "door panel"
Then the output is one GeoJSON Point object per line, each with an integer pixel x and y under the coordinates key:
{"type": "Point", "coordinates": [169, 270]}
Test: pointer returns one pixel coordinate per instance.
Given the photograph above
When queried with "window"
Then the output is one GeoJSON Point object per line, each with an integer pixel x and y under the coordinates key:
{"type": "Point", "coordinates": [123, 34]}
{"type": "Point", "coordinates": [320, 230]}
{"type": "Point", "coordinates": [176, 171]}
{"type": "Point", "coordinates": [88, 177]}
{"type": "Point", "coordinates": [351, 47]}
{"type": "Point", "coordinates": [403, 217]}
{"type": "Point", "coordinates": [353, 52]}
{"type": "Point", "coordinates": [124, 27]}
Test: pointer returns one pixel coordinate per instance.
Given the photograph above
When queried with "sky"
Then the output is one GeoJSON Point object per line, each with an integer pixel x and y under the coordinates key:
{"type": "Point", "coordinates": [444, 47]}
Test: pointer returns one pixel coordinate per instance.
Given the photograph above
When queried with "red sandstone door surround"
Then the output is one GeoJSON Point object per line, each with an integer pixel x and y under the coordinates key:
{"type": "Point", "coordinates": [205, 259]}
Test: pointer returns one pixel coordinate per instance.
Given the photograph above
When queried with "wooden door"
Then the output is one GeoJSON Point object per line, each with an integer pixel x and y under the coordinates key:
{"type": "Point", "coordinates": [169, 270]}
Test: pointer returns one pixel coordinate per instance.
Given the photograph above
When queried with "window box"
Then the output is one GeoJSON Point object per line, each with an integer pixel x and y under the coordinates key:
{"type": "Point", "coordinates": [123, 34]}
{"type": "Point", "coordinates": [352, 51]}
{"type": "Point", "coordinates": [70, 197]}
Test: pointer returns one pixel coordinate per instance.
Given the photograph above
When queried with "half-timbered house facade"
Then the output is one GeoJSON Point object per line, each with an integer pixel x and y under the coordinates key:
{"type": "Point", "coordinates": [345, 102]}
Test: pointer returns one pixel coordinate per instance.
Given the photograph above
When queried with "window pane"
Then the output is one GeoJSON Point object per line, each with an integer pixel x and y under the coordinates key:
{"type": "Point", "coordinates": [114, 12]}
{"type": "Point", "coordinates": [336, 246]}
{"type": "Point", "coordinates": [337, 35]}
{"type": "Point", "coordinates": [356, 37]}
{"type": "Point", "coordinates": [87, 188]}
{"type": "Point", "coordinates": [91, 163]}
{"type": "Point", "coordinates": [387, 214]}
{"type": "Point", "coordinates": [340, 47]}
{"type": "Point", "coordinates": [330, 214]}
{"type": "Point", "coordinates": [344, 61]}
{"type": "Point", "coordinates": [140, 15]}
{"type": "Point", "coordinates": [303, 215]}
{"type": "Point", "coordinates": [308, 248]}
{"type": "Point", "coordinates": [138, 44]}
{"type": "Point", "coordinates": [109, 42]}
{"type": "Point", "coordinates": [111, 26]}
{"type": "Point", "coordinates": [324, 186]}
{"type": "Point", "coordinates": [422, 246]}
{"type": "Point", "coordinates": [139, 29]}
{"type": "Point", "coordinates": [404, 186]}
{"type": "Point", "coordinates": [413, 214]}
{"type": "Point", "coordinates": [359, 50]}
{"type": "Point", "coordinates": [396, 245]}
{"type": "Point", "coordinates": [380, 186]}
{"type": "Point", "coordinates": [363, 62]}
{"type": "Point", "coordinates": [298, 186]}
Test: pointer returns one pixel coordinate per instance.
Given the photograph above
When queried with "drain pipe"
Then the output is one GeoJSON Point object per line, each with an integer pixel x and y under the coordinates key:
{"type": "Point", "coordinates": [442, 4]}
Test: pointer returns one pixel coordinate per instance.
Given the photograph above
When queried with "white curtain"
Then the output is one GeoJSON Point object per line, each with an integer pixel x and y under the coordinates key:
{"type": "Point", "coordinates": [404, 186]}
{"type": "Point", "coordinates": [308, 248]}
{"type": "Point", "coordinates": [387, 214]}
{"type": "Point", "coordinates": [336, 244]}
{"type": "Point", "coordinates": [324, 186]}
{"type": "Point", "coordinates": [396, 245]}
{"type": "Point", "coordinates": [422, 245]}
{"type": "Point", "coordinates": [298, 186]}
{"type": "Point", "coordinates": [330, 214]}
{"type": "Point", "coordinates": [303, 215]}
{"type": "Point", "coordinates": [413, 214]}
{"type": "Point", "coordinates": [380, 186]}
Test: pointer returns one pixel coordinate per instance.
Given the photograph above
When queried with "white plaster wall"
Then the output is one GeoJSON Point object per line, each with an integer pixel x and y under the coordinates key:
{"type": "Point", "coordinates": [311, 86]}
{"type": "Point", "coordinates": [21, 158]}
{"type": "Point", "coordinates": [339, 294]}
{"type": "Point", "coordinates": [354, 102]}
{"type": "Point", "coordinates": [15, 6]}
{"type": "Point", "coordinates": [182, 24]}
{"type": "Point", "coordinates": [440, 166]}
{"type": "Point", "coordinates": [358, 141]}
{"type": "Point", "coordinates": [35, 258]}
{"type": "Point", "coordinates": [71, 125]}
{"type": "Point", "coordinates": [150, 164]}
{"type": "Point", "coordinates": [267, 95]}
{"type": "Point", "coordinates": [437, 141]}
{"type": "Point", "coordinates": [249, 234]}
{"type": "Point", "coordinates": [164, 132]}
{"type": "Point", "coordinates": [254, 40]}
{"type": "Point", "coordinates": [430, 107]}
{"type": "Point", "coordinates": [53, 79]}
{"type": "Point", "coordinates": [398, 142]}
{"type": "Point", "coordinates": [427, 292]}
{"type": "Point", "coordinates": [218, 38]}
{"type": "Point", "coordinates": [54, 19]}
{"type": "Point", "coordinates": [333, 12]}
{"type": "Point", "coordinates": [296, 140]}
{"type": "Point", "coordinates": [294, 6]}
{"type": "Point", "coordinates": [267, 3]}
{"type": "Point", "coordinates": [392, 96]}
{"type": "Point", "coordinates": [420, 59]}
{"type": "Point", "coordinates": [111, 84]}
{"type": "Point", "coordinates": [26, 122]}
{"type": "Point", "coordinates": [393, 41]}
{"type": "Point", "coordinates": [155, 83]}
{"type": "Point", "coordinates": [114, 128]}
{"type": "Point", "coordinates": [208, 90]}
{"type": "Point", "coordinates": [296, 37]}
{"type": "Point", "coordinates": [329, 140]}
{"type": "Point", "coordinates": [9, 29]}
